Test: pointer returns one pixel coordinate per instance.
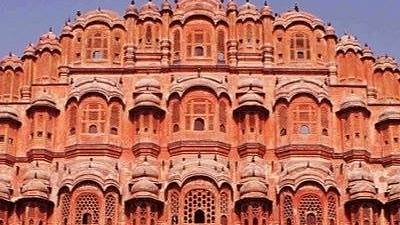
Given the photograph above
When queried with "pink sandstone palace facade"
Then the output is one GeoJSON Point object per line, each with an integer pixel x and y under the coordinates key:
{"type": "Point", "coordinates": [199, 112]}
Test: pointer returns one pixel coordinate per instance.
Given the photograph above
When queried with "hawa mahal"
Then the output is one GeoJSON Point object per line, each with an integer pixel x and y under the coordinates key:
{"type": "Point", "coordinates": [199, 112]}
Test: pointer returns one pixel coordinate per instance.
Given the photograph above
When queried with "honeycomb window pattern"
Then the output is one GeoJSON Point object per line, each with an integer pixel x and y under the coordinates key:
{"type": "Point", "coordinates": [111, 204]}
{"type": "Point", "coordinates": [332, 210]}
{"type": "Point", "coordinates": [87, 207]}
{"type": "Point", "coordinates": [65, 205]}
{"type": "Point", "coordinates": [224, 203]}
{"type": "Point", "coordinates": [310, 207]}
{"type": "Point", "coordinates": [288, 210]}
{"type": "Point", "coordinates": [199, 199]}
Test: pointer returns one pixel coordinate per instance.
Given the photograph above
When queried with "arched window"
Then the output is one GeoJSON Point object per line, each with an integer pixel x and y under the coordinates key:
{"type": "Point", "coordinates": [311, 219]}
{"type": "Point", "coordinates": [224, 220]}
{"type": "Point", "coordinates": [148, 34]}
{"type": "Point", "coordinates": [199, 216]}
{"type": "Point", "coordinates": [304, 129]}
{"type": "Point", "coordinates": [249, 33]}
{"type": "Point", "coordinates": [175, 108]}
{"type": "Point", "coordinates": [177, 41]}
{"type": "Point", "coordinates": [198, 40]}
{"type": "Point", "coordinates": [93, 118]}
{"type": "Point", "coordinates": [87, 209]}
{"type": "Point", "coordinates": [111, 205]}
{"type": "Point", "coordinates": [86, 218]}
{"type": "Point", "coordinates": [199, 207]}
{"type": "Point", "coordinates": [97, 46]}
{"type": "Point", "coordinates": [332, 210]}
{"type": "Point", "coordinates": [282, 120]}
{"type": "Point", "coordinates": [222, 116]}
{"type": "Point", "coordinates": [304, 116]}
{"type": "Point", "coordinates": [310, 210]}
{"type": "Point", "coordinates": [198, 51]}
{"type": "Point", "coordinates": [73, 111]}
{"type": "Point", "coordinates": [114, 119]}
{"type": "Point", "coordinates": [199, 115]}
{"type": "Point", "coordinates": [324, 120]}
{"type": "Point", "coordinates": [93, 129]}
{"type": "Point", "coordinates": [198, 124]}
{"type": "Point", "coordinates": [300, 47]}
{"type": "Point", "coordinates": [65, 207]}
{"type": "Point", "coordinates": [287, 210]}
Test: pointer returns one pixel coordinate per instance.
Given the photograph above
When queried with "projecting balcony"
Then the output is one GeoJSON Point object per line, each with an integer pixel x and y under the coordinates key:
{"type": "Point", "coordinates": [199, 141]}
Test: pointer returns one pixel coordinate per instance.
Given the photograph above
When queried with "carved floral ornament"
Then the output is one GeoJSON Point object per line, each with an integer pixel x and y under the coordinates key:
{"type": "Point", "coordinates": [296, 173]}
{"type": "Point", "coordinates": [287, 88]}
{"type": "Point", "coordinates": [182, 84]}
{"type": "Point", "coordinates": [109, 88]}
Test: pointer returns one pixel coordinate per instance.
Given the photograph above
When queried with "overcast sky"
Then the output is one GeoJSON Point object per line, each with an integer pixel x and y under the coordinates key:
{"type": "Point", "coordinates": [376, 22]}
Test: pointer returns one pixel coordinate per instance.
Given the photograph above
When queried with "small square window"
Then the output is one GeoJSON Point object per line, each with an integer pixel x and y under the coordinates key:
{"type": "Point", "coordinates": [199, 51]}
{"type": "Point", "coordinates": [304, 129]}
{"type": "Point", "coordinates": [2, 138]}
{"type": "Point", "coordinates": [97, 55]}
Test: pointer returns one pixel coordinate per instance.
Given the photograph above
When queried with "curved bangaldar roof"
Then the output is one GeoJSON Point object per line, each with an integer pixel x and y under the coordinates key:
{"type": "Point", "coordinates": [212, 9]}
{"type": "Point", "coordinates": [11, 61]}
{"type": "Point", "coordinates": [150, 11]}
{"type": "Point", "coordinates": [290, 17]}
{"type": "Point", "coordinates": [348, 42]}
{"type": "Point", "coordinates": [107, 17]}
{"type": "Point", "coordinates": [248, 11]}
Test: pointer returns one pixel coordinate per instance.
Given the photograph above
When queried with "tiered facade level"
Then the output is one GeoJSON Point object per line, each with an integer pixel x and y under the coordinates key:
{"type": "Point", "coordinates": [199, 112]}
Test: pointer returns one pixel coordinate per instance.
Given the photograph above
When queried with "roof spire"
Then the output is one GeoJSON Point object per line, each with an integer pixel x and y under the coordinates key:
{"type": "Point", "coordinates": [265, 3]}
{"type": "Point", "coordinates": [296, 7]}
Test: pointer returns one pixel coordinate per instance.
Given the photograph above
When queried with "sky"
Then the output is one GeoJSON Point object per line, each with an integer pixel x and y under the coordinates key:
{"type": "Point", "coordinates": [375, 22]}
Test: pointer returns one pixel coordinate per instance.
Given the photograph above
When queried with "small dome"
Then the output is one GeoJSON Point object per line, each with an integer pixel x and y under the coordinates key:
{"type": "Point", "coordinates": [250, 82]}
{"type": "Point", "coordinates": [231, 6]}
{"type": "Point", "coordinates": [9, 113]}
{"type": "Point", "coordinates": [250, 99]}
{"type": "Point", "coordinates": [35, 188]}
{"type": "Point", "coordinates": [147, 83]}
{"type": "Point", "coordinates": [147, 99]}
{"type": "Point", "coordinates": [144, 187]}
{"type": "Point", "coordinates": [145, 170]}
{"type": "Point", "coordinates": [37, 173]}
{"type": "Point", "coordinates": [386, 63]}
{"type": "Point", "coordinates": [149, 10]}
{"type": "Point", "coordinates": [48, 41]}
{"type": "Point", "coordinates": [393, 188]}
{"type": "Point", "coordinates": [348, 42]}
{"type": "Point", "coordinates": [361, 182]}
{"type": "Point", "coordinates": [67, 29]}
{"type": "Point", "coordinates": [131, 10]}
{"type": "Point", "coordinates": [29, 50]}
{"type": "Point", "coordinates": [362, 190]}
{"type": "Point", "coordinates": [165, 5]}
{"type": "Point", "coordinates": [44, 100]}
{"type": "Point", "coordinates": [5, 193]}
{"type": "Point", "coordinates": [353, 101]}
{"type": "Point", "coordinates": [266, 10]}
{"type": "Point", "coordinates": [248, 10]}
{"type": "Point", "coordinates": [389, 114]}
{"type": "Point", "coordinates": [48, 36]}
{"type": "Point", "coordinates": [252, 170]}
{"type": "Point", "coordinates": [12, 61]}
{"type": "Point", "coordinates": [330, 30]}
{"type": "Point", "coordinates": [367, 52]}
{"type": "Point", "coordinates": [253, 189]}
